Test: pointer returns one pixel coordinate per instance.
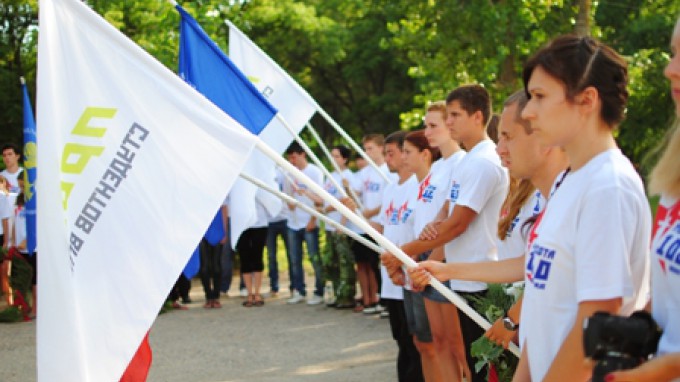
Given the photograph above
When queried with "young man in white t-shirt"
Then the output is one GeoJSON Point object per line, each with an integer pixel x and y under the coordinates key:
{"type": "Point", "coordinates": [478, 188]}
{"type": "Point", "coordinates": [303, 227]}
{"type": "Point", "coordinates": [396, 221]}
{"type": "Point", "coordinates": [11, 155]}
{"type": "Point", "coordinates": [370, 185]}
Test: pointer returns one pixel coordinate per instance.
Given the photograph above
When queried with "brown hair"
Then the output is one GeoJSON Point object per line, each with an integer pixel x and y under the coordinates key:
{"type": "Point", "coordinates": [417, 139]}
{"type": "Point", "coordinates": [665, 177]}
{"type": "Point", "coordinates": [520, 98]}
{"type": "Point", "coordinates": [472, 98]}
{"type": "Point", "coordinates": [378, 139]}
{"type": "Point", "coordinates": [492, 128]}
{"type": "Point", "coordinates": [582, 62]}
{"type": "Point", "coordinates": [518, 194]}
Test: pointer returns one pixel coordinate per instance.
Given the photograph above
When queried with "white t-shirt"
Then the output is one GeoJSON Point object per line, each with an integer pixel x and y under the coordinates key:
{"type": "Point", "coordinates": [396, 217]}
{"type": "Point", "coordinates": [19, 227]}
{"type": "Point", "coordinates": [480, 183]}
{"type": "Point", "coordinates": [333, 191]}
{"type": "Point", "coordinates": [666, 274]}
{"type": "Point", "coordinates": [12, 179]}
{"type": "Point", "coordinates": [591, 243]}
{"type": "Point", "coordinates": [370, 186]}
{"type": "Point", "coordinates": [260, 212]}
{"type": "Point", "coordinates": [433, 191]}
{"type": "Point", "coordinates": [297, 218]}
{"type": "Point", "coordinates": [283, 214]}
{"type": "Point", "coordinates": [5, 211]}
{"type": "Point", "coordinates": [515, 242]}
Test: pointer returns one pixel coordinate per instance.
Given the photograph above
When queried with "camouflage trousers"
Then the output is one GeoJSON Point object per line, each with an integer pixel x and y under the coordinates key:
{"type": "Point", "coordinates": [338, 266]}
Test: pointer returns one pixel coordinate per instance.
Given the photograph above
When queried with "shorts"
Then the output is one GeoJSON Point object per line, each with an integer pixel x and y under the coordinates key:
{"type": "Point", "coordinates": [429, 292]}
{"type": "Point", "coordinates": [416, 316]}
{"type": "Point", "coordinates": [363, 254]}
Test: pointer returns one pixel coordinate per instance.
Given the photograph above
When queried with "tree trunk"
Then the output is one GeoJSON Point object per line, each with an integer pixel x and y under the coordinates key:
{"type": "Point", "coordinates": [583, 18]}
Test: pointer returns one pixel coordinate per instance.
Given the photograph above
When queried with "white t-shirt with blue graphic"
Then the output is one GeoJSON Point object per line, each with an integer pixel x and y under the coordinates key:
{"type": "Point", "coordinates": [433, 191]}
{"type": "Point", "coordinates": [480, 183]}
{"type": "Point", "coordinates": [396, 217]}
{"type": "Point", "coordinates": [370, 185]}
{"type": "Point", "coordinates": [666, 274]}
{"type": "Point", "coordinates": [590, 243]}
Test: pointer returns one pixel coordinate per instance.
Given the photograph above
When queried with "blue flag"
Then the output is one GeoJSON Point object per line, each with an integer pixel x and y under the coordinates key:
{"type": "Point", "coordinates": [30, 173]}
{"type": "Point", "coordinates": [203, 64]}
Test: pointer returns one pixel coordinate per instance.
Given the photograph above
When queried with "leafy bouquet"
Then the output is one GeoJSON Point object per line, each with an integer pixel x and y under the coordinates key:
{"type": "Point", "coordinates": [499, 298]}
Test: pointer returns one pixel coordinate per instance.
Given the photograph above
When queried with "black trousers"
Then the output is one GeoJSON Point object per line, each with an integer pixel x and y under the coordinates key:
{"type": "Point", "coordinates": [409, 368]}
{"type": "Point", "coordinates": [471, 332]}
{"type": "Point", "coordinates": [211, 269]}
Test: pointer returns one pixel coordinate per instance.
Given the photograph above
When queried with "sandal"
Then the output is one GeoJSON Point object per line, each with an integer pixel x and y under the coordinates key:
{"type": "Point", "coordinates": [249, 302]}
{"type": "Point", "coordinates": [358, 308]}
{"type": "Point", "coordinates": [258, 300]}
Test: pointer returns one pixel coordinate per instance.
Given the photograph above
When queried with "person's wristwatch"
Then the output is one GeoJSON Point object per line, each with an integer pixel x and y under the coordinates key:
{"type": "Point", "coordinates": [509, 324]}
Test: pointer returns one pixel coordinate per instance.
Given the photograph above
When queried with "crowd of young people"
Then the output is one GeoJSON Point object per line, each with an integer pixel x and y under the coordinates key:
{"type": "Point", "coordinates": [554, 204]}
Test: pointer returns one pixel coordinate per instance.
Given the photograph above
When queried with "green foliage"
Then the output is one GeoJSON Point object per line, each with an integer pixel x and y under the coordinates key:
{"type": "Point", "coordinates": [374, 64]}
{"type": "Point", "coordinates": [493, 306]}
{"type": "Point", "coordinates": [439, 40]}
{"type": "Point", "coordinates": [18, 21]}
{"type": "Point", "coordinates": [11, 314]}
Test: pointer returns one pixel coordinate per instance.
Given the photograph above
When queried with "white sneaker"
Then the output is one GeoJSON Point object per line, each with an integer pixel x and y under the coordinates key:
{"type": "Point", "coordinates": [315, 300]}
{"type": "Point", "coordinates": [296, 298]}
{"type": "Point", "coordinates": [373, 309]}
{"type": "Point", "coordinates": [244, 292]}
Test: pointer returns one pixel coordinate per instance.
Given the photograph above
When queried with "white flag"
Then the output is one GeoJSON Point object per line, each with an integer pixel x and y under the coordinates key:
{"type": "Point", "coordinates": [295, 105]}
{"type": "Point", "coordinates": [134, 164]}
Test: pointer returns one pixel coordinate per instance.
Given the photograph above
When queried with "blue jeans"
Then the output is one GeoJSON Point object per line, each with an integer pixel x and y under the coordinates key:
{"type": "Point", "coordinates": [295, 238]}
{"type": "Point", "coordinates": [275, 229]}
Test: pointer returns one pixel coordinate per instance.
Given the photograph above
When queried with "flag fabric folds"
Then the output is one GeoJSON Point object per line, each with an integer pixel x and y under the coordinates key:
{"type": "Point", "coordinates": [30, 173]}
{"type": "Point", "coordinates": [208, 69]}
{"type": "Point", "coordinates": [134, 164]}
{"type": "Point", "coordinates": [203, 64]}
{"type": "Point", "coordinates": [295, 105]}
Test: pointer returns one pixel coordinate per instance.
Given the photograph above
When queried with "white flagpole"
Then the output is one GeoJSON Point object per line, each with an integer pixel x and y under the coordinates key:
{"type": "Point", "coordinates": [349, 140]}
{"type": "Point", "coordinates": [325, 150]}
{"type": "Point", "coordinates": [312, 156]}
{"type": "Point", "coordinates": [287, 198]}
{"type": "Point", "coordinates": [380, 239]}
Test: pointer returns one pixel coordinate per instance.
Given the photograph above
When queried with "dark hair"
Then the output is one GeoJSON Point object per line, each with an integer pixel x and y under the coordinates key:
{"type": "Point", "coordinates": [520, 98]}
{"type": "Point", "coordinates": [417, 138]}
{"type": "Point", "coordinates": [492, 128]}
{"type": "Point", "coordinates": [294, 148]}
{"type": "Point", "coordinates": [12, 146]}
{"type": "Point", "coordinates": [472, 98]}
{"type": "Point", "coordinates": [396, 138]}
{"type": "Point", "coordinates": [581, 62]}
{"type": "Point", "coordinates": [343, 150]}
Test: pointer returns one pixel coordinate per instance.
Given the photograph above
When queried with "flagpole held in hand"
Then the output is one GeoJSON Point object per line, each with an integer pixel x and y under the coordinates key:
{"type": "Point", "coordinates": [324, 148]}
{"type": "Point", "coordinates": [312, 211]}
{"type": "Point", "coordinates": [380, 239]}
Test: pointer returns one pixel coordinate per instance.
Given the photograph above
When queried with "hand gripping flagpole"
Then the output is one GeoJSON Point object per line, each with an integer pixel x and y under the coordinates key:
{"type": "Point", "coordinates": [381, 240]}
{"type": "Point", "coordinates": [287, 198]}
{"type": "Point", "coordinates": [325, 150]}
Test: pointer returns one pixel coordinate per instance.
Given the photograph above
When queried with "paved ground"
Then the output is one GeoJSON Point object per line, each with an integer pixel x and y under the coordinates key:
{"type": "Point", "coordinates": [277, 342]}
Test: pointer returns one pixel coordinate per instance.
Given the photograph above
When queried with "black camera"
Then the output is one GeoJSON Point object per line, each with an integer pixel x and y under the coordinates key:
{"type": "Point", "coordinates": [619, 343]}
